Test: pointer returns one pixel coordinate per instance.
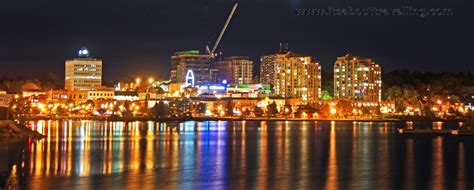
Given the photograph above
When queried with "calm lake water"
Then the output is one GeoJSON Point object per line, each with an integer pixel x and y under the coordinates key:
{"type": "Point", "coordinates": [237, 155]}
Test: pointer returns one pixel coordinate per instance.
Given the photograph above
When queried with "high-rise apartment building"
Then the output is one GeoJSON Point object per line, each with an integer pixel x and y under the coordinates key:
{"type": "Point", "coordinates": [357, 78]}
{"type": "Point", "coordinates": [292, 75]}
{"type": "Point", "coordinates": [267, 68]}
{"type": "Point", "coordinates": [267, 64]}
{"type": "Point", "coordinates": [83, 73]}
{"type": "Point", "coordinates": [189, 65]}
{"type": "Point", "coordinates": [235, 70]}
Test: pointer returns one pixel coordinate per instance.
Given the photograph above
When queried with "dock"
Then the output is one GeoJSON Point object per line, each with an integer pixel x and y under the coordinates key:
{"type": "Point", "coordinates": [435, 132]}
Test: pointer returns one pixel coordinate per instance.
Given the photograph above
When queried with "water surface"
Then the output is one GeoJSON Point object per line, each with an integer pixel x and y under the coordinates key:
{"type": "Point", "coordinates": [237, 155]}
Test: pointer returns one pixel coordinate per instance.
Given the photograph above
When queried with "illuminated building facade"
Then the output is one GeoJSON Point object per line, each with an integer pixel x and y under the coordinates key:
{"type": "Point", "coordinates": [267, 68]}
{"type": "Point", "coordinates": [248, 90]}
{"type": "Point", "coordinates": [292, 75]}
{"type": "Point", "coordinates": [235, 70]}
{"type": "Point", "coordinates": [126, 95]}
{"type": "Point", "coordinates": [357, 78]}
{"type": "Point", "coordinates": [83, 73]}
{"type": "Point", "coordinates": [57, 95]}
{"type": "Point", "coordinates": [182, 62]}
{"type": "Point", "coordinates": [267, 64]}
{"type": "Point", "coordinates": [218, 90]}
{"type": "Point", "coordinates": [82, 96]}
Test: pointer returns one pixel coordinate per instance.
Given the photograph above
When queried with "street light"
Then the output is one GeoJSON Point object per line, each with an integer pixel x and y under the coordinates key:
{"type": "Point", "coordinates": [150, 80]}
{"type": "Point", "coordinates": [137, 81]}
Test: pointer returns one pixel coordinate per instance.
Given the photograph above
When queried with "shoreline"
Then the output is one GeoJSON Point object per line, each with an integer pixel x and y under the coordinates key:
{"type": "Point", "coordinates": [238, 119]}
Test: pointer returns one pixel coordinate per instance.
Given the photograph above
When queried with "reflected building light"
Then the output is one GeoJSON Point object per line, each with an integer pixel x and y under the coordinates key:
{"type": "Point", "coordinates": [263, 125]}
{"type": "Point", "coordinates": [437, 125]}
{"type": "Point", "coordinates": [332, 173]}
{"type": "Point", "coordinates": [410, 165]}
{"type": "Point", "coordinates": [48, 152]}
{"type": "Point", "coordinates": [437, 163]}
{"type": "Point", "coordinates": [262, 162]}
{"type": "Point", "coordinates": [385, 157]}
{"type": "Point", "coordinates": [354, 129]}
{"type": "Point", "coordinates": [461, 173]}
{"type": "Point", "coordinates": [221, 126]}
{"type": "Point", "coordinates": [69, 152]}
{"type": "Point", "coordinates": [410, 125]}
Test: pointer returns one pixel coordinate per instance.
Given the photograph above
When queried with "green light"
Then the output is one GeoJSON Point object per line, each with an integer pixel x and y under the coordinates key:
{"type": "Point", "coordinates": [193, 52]}
{"type": "Point", "coordinates": [242, 86]}
{"type": "Point", "coordinates": [266, 87]}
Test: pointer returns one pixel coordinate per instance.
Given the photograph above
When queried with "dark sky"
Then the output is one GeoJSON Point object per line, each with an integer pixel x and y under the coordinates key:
{"type": "Point", "coordinates": [138, 36]}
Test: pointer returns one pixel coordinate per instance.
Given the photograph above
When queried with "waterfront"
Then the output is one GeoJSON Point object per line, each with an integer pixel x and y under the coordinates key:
{"type": "Point", "coordinates": [240, 155]}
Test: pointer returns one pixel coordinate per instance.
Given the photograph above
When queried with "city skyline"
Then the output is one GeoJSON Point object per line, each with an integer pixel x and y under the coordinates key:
{"type": "Point", "coordinates": [131, 43]}
{"type": "Point", "coordinates": [214, 94]}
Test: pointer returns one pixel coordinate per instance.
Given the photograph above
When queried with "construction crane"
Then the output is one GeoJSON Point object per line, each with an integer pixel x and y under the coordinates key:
{"type": "Point", "coordinates": [211, 52]}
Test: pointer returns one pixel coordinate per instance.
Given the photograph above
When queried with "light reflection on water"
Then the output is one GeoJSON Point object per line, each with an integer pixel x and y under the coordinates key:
{"type": "Point", "coordinates": [242, 155]}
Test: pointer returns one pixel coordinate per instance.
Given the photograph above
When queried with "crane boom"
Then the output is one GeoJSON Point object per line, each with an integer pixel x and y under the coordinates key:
{"type": "Point", "coordinates": [211, 53]}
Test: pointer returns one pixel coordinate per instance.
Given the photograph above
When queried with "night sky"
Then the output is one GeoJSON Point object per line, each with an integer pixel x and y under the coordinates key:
{"type": "Point", "coordinates": [137, 37]}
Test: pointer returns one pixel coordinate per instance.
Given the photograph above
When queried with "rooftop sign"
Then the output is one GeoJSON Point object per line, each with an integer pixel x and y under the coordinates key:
{"type": "Point", "coordinates": [194, 52]}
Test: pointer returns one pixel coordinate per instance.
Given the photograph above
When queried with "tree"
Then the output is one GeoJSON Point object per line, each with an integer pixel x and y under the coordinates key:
{"type": "Point", "coordinates": [91, 104]}
{"type": "Point", "coordinates": [426, 111]}
{"type": "Point", "coordinates": [60, 110]}
{"type": "Point", "coordinates": [245, 112]}
{"type": "Point", "coordinates": [50, 106]}
{"type": "Point", "coordinates": [325, 95]}
{"type": "Point", "coordinates": [327, 82]}
{"type": "Point", "coordinates": [102, 111]}
{"type": "Point", "coordinates": [394, 94]}
{"type": "Point", "coordinates": [410, 97]}
{"type": "Point", "coordinates": [217, 107]}
{"type": "Point", "coordinates": [201, 108]}
{"type": "Point", "coordinates": [258, 111]}
{"type": "Point", "coordinates": [287, 111]}
{"type": "Point", "coordinates": [173, 105]}
{"type": "Point", "coordinates": [115, 109]}
{"type": "Point", "coordinates": [405, 96]}
{"type": "Point", "coordinates": [185, 108]}
{"type": "Point", "coordinates": [20, 107]}
{"type": "Point", "coordinates": [190, 91]}
{"type": "Point", "coordinates": [344, 107]}
{"type": "Point", "coordinates": [377, 111]}
{"type": "Point", "coordinates": [272, 109]}
{"type": "Point", "coordinates": [70, 102]}
{"type": "Point", "coordinates": [159, 90]}
{"type": "Point", "coordinates": [323, 110]}
{"type": "Point", "coordinates": [229, 108]}
{"type": "Point", "coordinates": [126, 105]}
{"type": "Point", "coordinates": [469, 124]}
{"type": "Point", "coordinates": [48, 81]}
{"type": "Point", "coordinates": [127, 113]}
{"type": "Point", "coordinates": [365, 111]}
{"type": "Point", "coordinates": [454, 99]}
{"type": "Point", "coordinates": [429, 84]}
{"type": "Point", "coordinates": [160, 110]}
{"type": "Point", "coordinates": [144, 109]}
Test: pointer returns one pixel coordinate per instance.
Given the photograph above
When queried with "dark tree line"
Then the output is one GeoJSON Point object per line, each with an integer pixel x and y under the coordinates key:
{"type": "Point", "coordinates": [428, 83]}
{"type": "Point", "coordinates": [17, 84]}
{"type": "Point", "coordinates": [424, 83]}
{"type": "Point", "coordinates": [421, 90]}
